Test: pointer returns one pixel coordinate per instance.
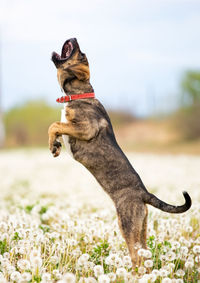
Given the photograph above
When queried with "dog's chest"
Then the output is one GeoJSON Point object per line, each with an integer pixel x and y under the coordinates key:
{"type": "Point", "coordinates": [65, 137]}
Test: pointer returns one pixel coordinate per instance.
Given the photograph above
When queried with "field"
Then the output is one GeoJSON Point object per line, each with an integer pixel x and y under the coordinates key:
{"type": "Point", "coordinates": [58, 225]}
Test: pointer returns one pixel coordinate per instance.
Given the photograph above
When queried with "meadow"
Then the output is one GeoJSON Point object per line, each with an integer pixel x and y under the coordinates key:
{"type": "Point", "coordinates": [58, 225]}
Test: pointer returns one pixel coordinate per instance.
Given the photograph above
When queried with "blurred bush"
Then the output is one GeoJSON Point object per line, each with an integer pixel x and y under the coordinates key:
{"type": "Point", "coordinates": [28, 124]}
{"type": "Point", "coordinates": [187, 122]}
{"type": "Point", "coordinates": [187, 119]}
{"type": "Point", "coordinates": [120, 118]}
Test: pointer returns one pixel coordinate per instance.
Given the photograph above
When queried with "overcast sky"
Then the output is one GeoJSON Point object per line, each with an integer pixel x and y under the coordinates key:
{"type": "Point", "coordinates": [137, 49]}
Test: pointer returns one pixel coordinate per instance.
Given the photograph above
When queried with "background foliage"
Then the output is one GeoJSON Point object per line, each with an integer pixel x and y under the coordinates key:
{"type": "Point", "coordinates": [187, 118]}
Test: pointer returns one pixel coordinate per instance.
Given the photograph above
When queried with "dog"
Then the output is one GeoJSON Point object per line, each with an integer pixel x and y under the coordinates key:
{"type": "Point", "coordinates": [87, 129]}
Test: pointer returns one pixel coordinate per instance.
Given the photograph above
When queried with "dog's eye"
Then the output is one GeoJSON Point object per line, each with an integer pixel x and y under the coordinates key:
{"type": "Point", "coordinates": [82, 56]}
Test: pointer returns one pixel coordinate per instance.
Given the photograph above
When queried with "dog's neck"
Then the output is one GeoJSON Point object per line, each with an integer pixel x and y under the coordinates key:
{"type": "Point", "coordinates": [76, 87]}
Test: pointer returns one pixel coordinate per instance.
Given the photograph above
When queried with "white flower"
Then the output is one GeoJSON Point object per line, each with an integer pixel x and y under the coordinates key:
{"type": "Point", "coordinates": [175, 245]}
{"type": "Point", "coordinates": [3, 226]}
{"type": "Point", "coordinates": [46, 277]}
{"type": "Point", "coordinates": [184, 250]}
{"type": "Point", "coordinates": [152, 277]}
{"type": "Point", "coordinates": [23, 264]}
{"type": "Point", "coordinates": [141, 252]}
{"type": "Point", "coordinates": [103, 279]}
{"type": "Point", "coordinates": [189, 264]}
{"type": "Point", "coordinates": [5, 263]}
{"type": "Point", "coordinates": [118, 262]}
{"type": "Point", "coordinates": [90, 280]}
{"type": "Point", "coordinates": [170, 256]}
{"type": "Point", "coordinates": [87, 265]}
{"type": "Point", "coordinates": [22, 251]}
{"type": "Point", "coordinates": [15, 276]}
{"type": "Point", "coordinates": [129, 278]}
{"type": "Point", "coordinates": [148, 254]}
{"type": "Point", "coordinates": [54, 235]}
{"type": "Point", "coordinates": [180, 273]}
{"type": "Point", "coordinates": [10, 269]}
{"type": "Point", "coordinates": [54, 259]}
{"type": "Point", "coordinates": [197, 259]}
{"type": "Point", "coordinates": [112, 276]}
{"type": "Point", "coordinates": [72, 242]}
{"type": "Point", "coordinates": [169, 267]}
{"type": "Point", "coordinates": [196, 249]}
{"type": "Point", "coordinates": [141, 270]}
{"type": "Point", "coordinates": [189, 229]}
{"type": "Point", "coordinates": [69, 278]}
{"type": "Point", "coordinates": [3, 280]}
{"type": "Point", "coordinates": [4, 236]}
{"type": "Point", "coordinates": [25, 277]}
{"type": "Point", "coordinates": [6, 255]}
{"type": "Point", "coordinates": [108, 261]}
{"type": "Point", "coordinates": [45, 216]}
{"type": "Point", "coordinates": [35, 253]}
{"type": "Point", "coordinates": [121, 272]}
{"type": "Point", "coordinates": [127, 261]}
{"type": "Point", "coordinates": [163, 272]}
{"type": "Point", "coordinates": [98, 270]}
{"type": "Point", "coordinates": [36, 261]}
{"type": "Point", "coordinates": [56, 274]}
{"type": "Point", "coordinates": [148, 263]}
{"type": "Point", "coordinates": [83, 258]}
{"type": "Point", "coordinates": [144, 279]}
{"type": "Point", "coordinates": [156, 272]}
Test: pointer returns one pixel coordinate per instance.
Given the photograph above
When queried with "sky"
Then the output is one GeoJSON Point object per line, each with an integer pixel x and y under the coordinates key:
{"type": "Point", "coordinates": [138, 50]}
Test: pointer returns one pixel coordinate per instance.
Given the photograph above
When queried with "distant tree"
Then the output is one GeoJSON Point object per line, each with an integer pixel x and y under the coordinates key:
{"type": "Point", "coordinates": [188, 116]}
{"type": "Point", "coordinates": [191, 86]}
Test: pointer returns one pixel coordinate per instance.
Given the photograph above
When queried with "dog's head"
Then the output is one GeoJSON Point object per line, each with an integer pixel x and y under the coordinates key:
{"type": "Point", "coordinates": [72, 64]}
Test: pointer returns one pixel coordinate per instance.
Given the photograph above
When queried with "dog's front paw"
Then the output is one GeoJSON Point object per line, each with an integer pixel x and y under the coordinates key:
{"type": "Point", "coordinates": [56, 148]}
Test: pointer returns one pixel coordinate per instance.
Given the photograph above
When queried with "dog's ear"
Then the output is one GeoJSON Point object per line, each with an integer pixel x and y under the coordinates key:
{"type": "Point", "coordinates": [80, 71]}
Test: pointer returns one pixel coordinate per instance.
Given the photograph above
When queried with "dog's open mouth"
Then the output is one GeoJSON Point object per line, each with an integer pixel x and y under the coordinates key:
{"type": "Point", "coordinates": [67, 50]}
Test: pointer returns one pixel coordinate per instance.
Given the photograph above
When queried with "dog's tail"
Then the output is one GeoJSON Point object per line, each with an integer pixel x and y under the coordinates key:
{"type": "Point", "coordinates": [154, 201]}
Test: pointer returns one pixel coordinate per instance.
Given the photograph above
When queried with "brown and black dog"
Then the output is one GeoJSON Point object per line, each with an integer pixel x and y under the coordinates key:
{"type": "Point", "coordinates": [92, 143]}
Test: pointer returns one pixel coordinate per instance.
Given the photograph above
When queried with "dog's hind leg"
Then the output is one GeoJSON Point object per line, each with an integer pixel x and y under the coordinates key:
{"type": "Point", "coordinates": [144, 230]}
{"type": "Point", "coordinates": [132, 222]}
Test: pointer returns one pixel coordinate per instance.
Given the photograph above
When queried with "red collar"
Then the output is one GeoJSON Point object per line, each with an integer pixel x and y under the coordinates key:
{"type": "Point", "coordinates": [68, 97]}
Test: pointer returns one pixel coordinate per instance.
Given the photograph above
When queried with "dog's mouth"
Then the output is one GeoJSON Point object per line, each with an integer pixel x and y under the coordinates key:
{"type": "Point", "coordinates": [67, 50]}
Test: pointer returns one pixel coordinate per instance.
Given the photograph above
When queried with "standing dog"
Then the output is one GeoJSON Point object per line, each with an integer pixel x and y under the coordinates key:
{"type": "Point", "coordinates": [92, 143]}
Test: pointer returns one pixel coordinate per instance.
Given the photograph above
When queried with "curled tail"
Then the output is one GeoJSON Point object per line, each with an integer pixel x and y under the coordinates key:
{"type": "Point", "coordinates": [154, 201]}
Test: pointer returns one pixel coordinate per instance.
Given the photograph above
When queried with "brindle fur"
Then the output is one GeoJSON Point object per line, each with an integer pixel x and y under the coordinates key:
{"type": "Point", "coordinates": [93, 144]}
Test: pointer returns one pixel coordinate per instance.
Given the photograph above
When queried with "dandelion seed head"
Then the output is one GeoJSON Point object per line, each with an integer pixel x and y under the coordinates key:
{"type": "Point", "coordinates": [103, 278]}
{"type": "Point", "coordinates": [112, 276]}
{"type": "Point", "coordinates": [15, 276]}
{"type": "Point", "coordinates": [196, 249]}
{"type": "Point", "coordinates": [180, 273]}
{"type": "Point", "coordinates": [121, 272]}
{"type": "Point", "coordinates": [189, 264]}
{"type": "Point", "coordinates": [90, 280]}
{"type": "Point", "coordinates": [141, 270]}
{"type": "Point", "coordinates": [98, 270]}
{"type": "Point", "coordinates": [166, 280]}
{"type": "Point", "coordinates": [148, 263]}
{"type": "Point", "coordinates": [69, 278]}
